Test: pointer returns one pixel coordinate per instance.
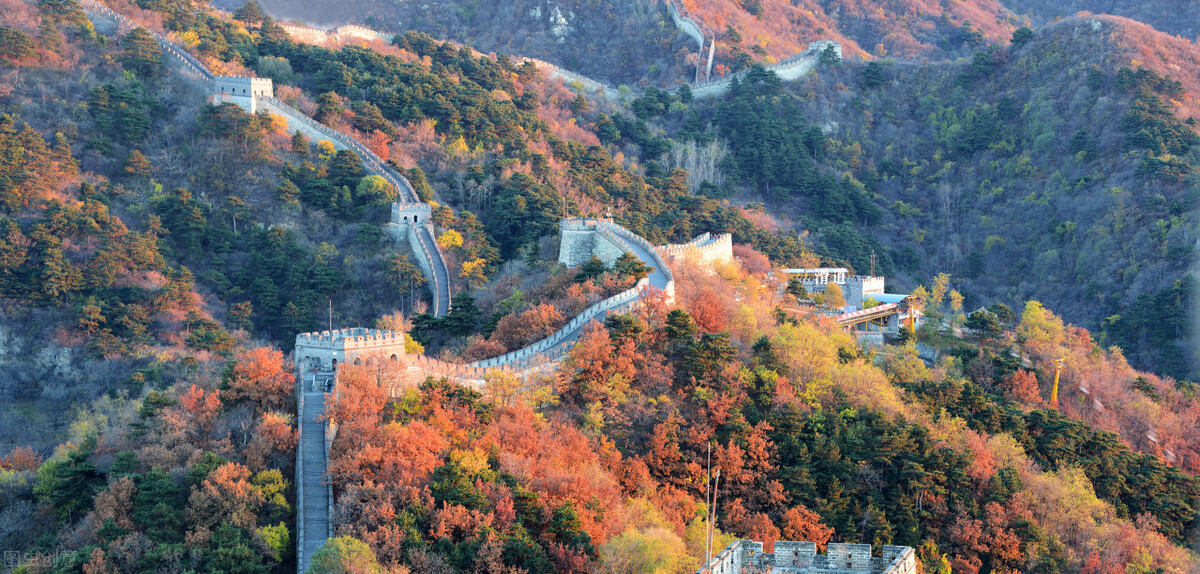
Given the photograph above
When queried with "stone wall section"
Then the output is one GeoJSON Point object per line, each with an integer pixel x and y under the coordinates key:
{"type": "Point", "coordinates": [685, 23]}
{"type": "Point", "coordinates": [789, 69]}
{"type": "Point", "coordinates": [580, 240]}
{"type": "Point", "coordinates": [705, 249]}
{"type": "Point", "coordinates": [745, 556]}
{"type": "Point", "coordinates": [254, 94]}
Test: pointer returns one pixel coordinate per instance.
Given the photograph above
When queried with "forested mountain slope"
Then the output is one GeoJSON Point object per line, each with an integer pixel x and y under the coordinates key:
{"type": "Point", "coordinates": [912, 29]}
{"type": "Point", "coordinates": [1061, 168]}
{"type": "Point", "coordinates": [1178, 17]}
{"type": "Point", "coordinates": [148, 230]}
{"type": "Point", "coordinates": [634, 41]}
{"type": "Point", "coordinates": [622, 42]}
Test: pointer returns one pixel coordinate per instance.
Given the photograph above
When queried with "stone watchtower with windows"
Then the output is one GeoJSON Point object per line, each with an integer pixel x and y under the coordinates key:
{"type": "Point", "coordinates": [325, 350]}
{"type": "Point", "coordinates": [242, 90]}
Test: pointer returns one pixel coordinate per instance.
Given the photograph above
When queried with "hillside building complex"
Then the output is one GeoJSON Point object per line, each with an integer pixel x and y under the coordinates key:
{"type": "Point", "coordinates": [869, 310]}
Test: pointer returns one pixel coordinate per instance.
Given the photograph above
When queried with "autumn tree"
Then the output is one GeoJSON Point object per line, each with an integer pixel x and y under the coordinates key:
{"type": "Point", "coordinates": [194, 416]}
{"type": "Point", "coordinates": [261, 376]}
{"type": "Point", "coordinates": [601, 370]}
{"type": "Point", "coordinates": [1022, 386]}
{"type": "Point", "coordinates": [1039, 326]}
{"type": "Point", "coordinates": [800, 523]}
{"type": "Point", "coordinates": [345, 555]}
{"type": "Point", "coordinates": [359, 396]}
{"type": "Point", "coordinates": [710, 312]}
{"type": "Point", "coordinates": [833, 296]}
{"type": "Point", "coordinates": [136, 164]}
{"type": "Point", "coordinates": [520, 329]}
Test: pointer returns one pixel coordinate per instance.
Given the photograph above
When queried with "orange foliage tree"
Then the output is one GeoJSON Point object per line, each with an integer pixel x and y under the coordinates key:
{"type": "Point", "coordinates": [263, 377]}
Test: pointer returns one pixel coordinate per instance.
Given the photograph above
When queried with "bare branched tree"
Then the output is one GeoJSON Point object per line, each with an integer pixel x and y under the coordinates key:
{"type": "Point", "coordinates": [702, 162]}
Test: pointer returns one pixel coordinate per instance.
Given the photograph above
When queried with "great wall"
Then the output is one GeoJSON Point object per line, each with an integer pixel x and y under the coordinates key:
{"type": "Point", "coordinates": [746, 556]}
{"type": "Point", "coordinates": [317, 354]}
{"type": "Point", "coordinates": [788, 69]}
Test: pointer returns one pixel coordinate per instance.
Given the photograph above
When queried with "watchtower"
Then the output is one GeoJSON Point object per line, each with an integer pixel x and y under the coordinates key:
{"type": "Point", "coordinates": [242, 90]}
{"type": "Point", "coordinates": [325, 350]}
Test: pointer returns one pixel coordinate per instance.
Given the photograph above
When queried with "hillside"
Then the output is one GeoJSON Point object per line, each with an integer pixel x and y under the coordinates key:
{"type": "Point", "coordinates": [627, 42]}
{"type": "Point", "coordinates": [1177, 17]}
{"type": "Point", "coordinates": [1010, 172]}
{"type": "Point", "coordinates": [634, 41]}
{"type": "Point", "coordinates": [1025, 187]}
{"type": "Point", "coordinates": [171, 247]}
{"type": "Point", "coordinates": [908, 29]}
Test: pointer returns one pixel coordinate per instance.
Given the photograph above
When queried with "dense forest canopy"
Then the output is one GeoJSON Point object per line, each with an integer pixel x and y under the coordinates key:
{"type": "Point", "coordinates": [158, 251]}
{"type": "Point", "coordinates": [1007, 171]}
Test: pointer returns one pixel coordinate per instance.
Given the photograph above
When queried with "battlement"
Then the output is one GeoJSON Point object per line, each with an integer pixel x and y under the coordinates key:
{"type": "Point", "coordinates": [705, 248]}
{"type": "Point", "coordinates": [325, 349]}
{"type": "Point", "coordinates": [360, 32]}
{"type": "Point", "coordinates": [348, 338]}
{"type": "Point", "coordinates": [406, 213]}
{"type": "Point", "coordinates": [802, 557]}
{"type": "Point", "coordinates": [243, 86]}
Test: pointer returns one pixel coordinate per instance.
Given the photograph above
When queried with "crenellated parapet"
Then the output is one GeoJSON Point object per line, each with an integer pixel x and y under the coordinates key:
{"type": "Point", "coordinates": [706, 249]}
{"type": "Point", "coordinates": [245, 91]}
{"type": "Point", "coordinates": [325, 350]}
{"type": "Point", "coordinates": [746, 556]}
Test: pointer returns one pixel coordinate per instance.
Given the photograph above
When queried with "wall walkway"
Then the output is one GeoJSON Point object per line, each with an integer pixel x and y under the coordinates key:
{"type": "Point", "coordinates": [313, 498]}
{"type": "Point", "coordinates": [297, 121]}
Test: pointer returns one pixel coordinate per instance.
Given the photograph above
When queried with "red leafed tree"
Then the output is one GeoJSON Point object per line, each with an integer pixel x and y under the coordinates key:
{"type": "Point", "coordinates": [520, 329]}
{"type": "Point", "coordinates": [1023, 386]}
{"type": "Point", "coordinates": [602, 370]}
{"type": "Point", "coordinates": [359, 398]}
{"type": "Point", "coordinates": [800, 523]}
{"type": "Point", "coordinates": [273, 443]}
{"type": "Point", "coordinates": [983, 463]}
{"type": "Point", "coordinates": [990, 538]}
{"type": "Point", "coordinates": [226, 495]}
{"type": "Point", "coordinates": [21, 458]}
{"type": "Point", "coordinates": [568, 560]}
{"type": "Point", "coordinates": [378, 143]}
{"type": "Point", "coordinates": [192, 419]}
{"type": "Point", "coordinates": [411, 453]}
{"type": "Point", "coordinates": [709, 312]}
{"type": "Point", "coordinates": [263, 377]}
{"type": "Point", "coordinates": [664, 459]}
{"type": "Point", "coordinates": [368, 512]}
{"type": "Point", "coordinates": [752, 261]}
{"type": "Point", "coordinates": [753, 525]}
{"type": "Point", "coordinates": [479, 348]}
{"type": "Point", "coordinates": [746, 470]}
{"type": "Point", "coordinates": [116, 504]}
